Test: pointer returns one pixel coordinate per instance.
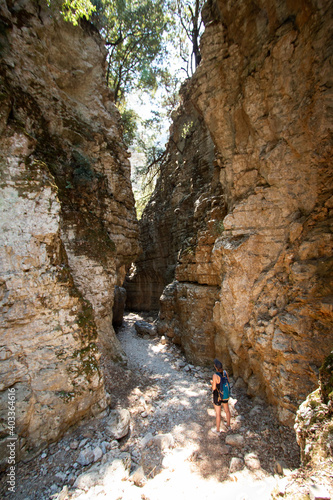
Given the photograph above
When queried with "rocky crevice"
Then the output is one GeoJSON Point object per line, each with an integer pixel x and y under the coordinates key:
{"type": "Point", "coordinates": [187, 200]}
{"type": "Point", "coordinates": [251, 279]}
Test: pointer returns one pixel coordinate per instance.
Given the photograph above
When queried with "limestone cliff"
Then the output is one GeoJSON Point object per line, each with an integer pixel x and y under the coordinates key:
{"type": "Point", "coordinates": [187, 195]}
{"type": "Point", "coordinates": [68, 226]}
{"type": "Point", "coordinates": [249, 243]}
{"type": "Point", "coordinates": [313, 425]}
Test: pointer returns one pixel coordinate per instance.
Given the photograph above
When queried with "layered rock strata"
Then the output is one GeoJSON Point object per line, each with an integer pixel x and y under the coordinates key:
{"type": "Point", "coordinates": [262, 93]}
{"type": "Point", "coordinates": [68, 226]}
{"type": "Point", "coordinates": [186, 197]}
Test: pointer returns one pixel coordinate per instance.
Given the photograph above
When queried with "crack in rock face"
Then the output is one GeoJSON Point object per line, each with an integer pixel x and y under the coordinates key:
{"type": "Point", "coordinates": [237, 239]}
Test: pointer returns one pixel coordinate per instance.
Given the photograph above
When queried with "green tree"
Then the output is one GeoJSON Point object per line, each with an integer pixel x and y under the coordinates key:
{"type": "Point", "coordinates": [130, 120]}
{"type": "Point", "coordinates": [133, 32]}
{"type": "Point", "coordinates": [73, 10]}
{"type": "Point", "coordinates": [188, 31]}
{"type": "Point", "coordinates": [150, 156]}
{"type": "Point", "coordinates": [142, 38]}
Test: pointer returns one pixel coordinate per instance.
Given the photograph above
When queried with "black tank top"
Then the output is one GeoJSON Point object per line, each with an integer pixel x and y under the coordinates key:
{"type": "Point", "coordinates": [218, 386]}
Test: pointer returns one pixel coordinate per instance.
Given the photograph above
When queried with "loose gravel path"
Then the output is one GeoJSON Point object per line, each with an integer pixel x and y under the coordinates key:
{"type": "Point", "coordinates": [173, 396]}
{"type": "Point", "coordinates": [168, 396]}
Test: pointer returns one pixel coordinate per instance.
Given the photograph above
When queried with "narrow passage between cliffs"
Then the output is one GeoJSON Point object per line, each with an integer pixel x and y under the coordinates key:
{"type": "Point", "coordinates": [169, 397]}
{"type": "Point", "coordinates": [169, 438]}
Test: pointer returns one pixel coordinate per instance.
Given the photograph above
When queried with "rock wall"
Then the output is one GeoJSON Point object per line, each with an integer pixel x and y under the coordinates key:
{"type": "Point", "coordinates": [254, 287]}
{"type": "Point", "coordinates": [68, 226]}
{"type": "Point", "coordinates": [313, 425]}
{"type": "Point", "coordinates": [187, 195]}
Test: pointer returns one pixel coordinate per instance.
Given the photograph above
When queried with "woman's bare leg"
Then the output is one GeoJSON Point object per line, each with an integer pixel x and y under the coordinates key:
{"type": "Point", "coordinates": [218, 417]}
{"type": "Point", "coordinates": [227, 412]}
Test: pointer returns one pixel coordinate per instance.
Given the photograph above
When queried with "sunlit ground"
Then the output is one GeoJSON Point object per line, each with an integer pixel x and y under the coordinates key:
{"type": "Point", "coordinates": [188, 415]}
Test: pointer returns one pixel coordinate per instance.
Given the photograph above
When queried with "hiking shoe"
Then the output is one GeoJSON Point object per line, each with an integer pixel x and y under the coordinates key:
{"type": "Point", "coordinates": [213, 429]}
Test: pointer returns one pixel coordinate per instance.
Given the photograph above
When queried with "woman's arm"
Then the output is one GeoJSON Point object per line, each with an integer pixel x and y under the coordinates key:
{"type": "Point", "coordinates": [216, 380]}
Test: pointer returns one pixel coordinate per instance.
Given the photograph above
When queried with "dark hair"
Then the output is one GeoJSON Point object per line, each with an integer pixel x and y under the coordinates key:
{"type": "Point", "coordinates": [218, 365]}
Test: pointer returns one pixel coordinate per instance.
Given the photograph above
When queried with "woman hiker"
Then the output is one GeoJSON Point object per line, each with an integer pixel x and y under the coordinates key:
{"type": "Point", "coordinates": [217, 400]}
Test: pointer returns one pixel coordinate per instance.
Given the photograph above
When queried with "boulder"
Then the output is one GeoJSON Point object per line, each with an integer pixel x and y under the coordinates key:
{"type": "Point", "coordinates": [88, 480]}
{"type": "Point", "coordinates": [236, 440]}
{"type": "Point", "coordinates": [236, 464]}
{"type": "Point", "coordinates": [115, 468]}
{"type": "Point", "coordinates": [252, 461]}
{"type": "Point", "coordinates": [86, 457]}
{"type": "Point", "coordinates": [144, 328]}
{"type": "Point", "coordinates": [118, 424]}
{"type": "Point", "coordinates": [146, 440]}
{"type": "Point", "coordinates": [163, 441]}
{"type": "Point", "coordinates": [151, 460]}
{"type": "Point", "coordinates": [225, 449]}
{"type": "Point", "coordinates": [98, 453]}
{"type": "Point", "coordinates": [138, 476]}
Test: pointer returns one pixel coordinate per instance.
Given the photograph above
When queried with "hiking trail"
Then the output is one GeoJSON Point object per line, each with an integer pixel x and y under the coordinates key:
{"type": "Point", "coordinates": [168, 396]}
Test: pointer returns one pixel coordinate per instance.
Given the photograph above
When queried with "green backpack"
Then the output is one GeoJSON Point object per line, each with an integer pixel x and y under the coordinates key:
{"type": "Point", "coordinates": [224, 390]}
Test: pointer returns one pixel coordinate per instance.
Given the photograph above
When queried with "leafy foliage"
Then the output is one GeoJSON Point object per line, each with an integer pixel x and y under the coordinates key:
{"type": "Point", "coordinates": [130, 120]}
{"type": "Point", "coordinates": [133, 32]}
{"type": "Point", "coordinates": [147, 159]}
{"type": "Point", "coordinates": [145, 40]}
{"type": "Point", "coordinates": [73, 10]}
{"type": "Point", "coordinates": [188, 31]}
{"type": "Point", "coordinates": [146, 175]}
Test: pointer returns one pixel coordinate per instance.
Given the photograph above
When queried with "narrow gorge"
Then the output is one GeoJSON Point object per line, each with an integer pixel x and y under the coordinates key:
{"type": "Point", "coordinates": [237, 237]}
{"type": "Point", "coordinates": [234, 248]}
